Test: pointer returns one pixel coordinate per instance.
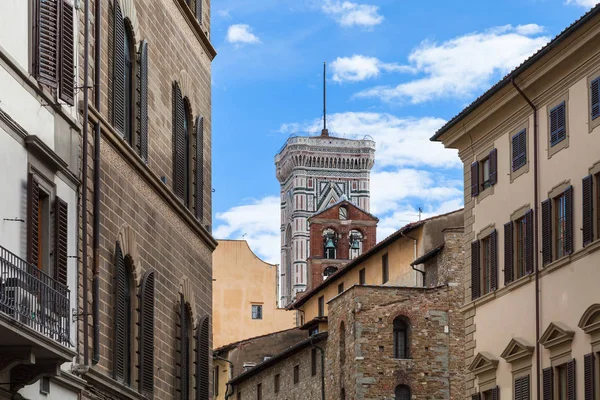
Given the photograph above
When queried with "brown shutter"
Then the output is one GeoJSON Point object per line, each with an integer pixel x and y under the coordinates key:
{"type": "Point", "coordinates": [33, 202]}
{"type": "Point", "coordinates": [588, 376]}
{"type": "Point", "coordinates": [548, 383]}
{"type": "Point", "coordinates": [529, 254]}
{"type": "Point", "coordinates": [179, 145]}
{"type": "Point", "coordinates": [199, 11]}
{"type": "Point", "coordinates": [142, 104]}
{"type": "Point", "coordinates": [508, 253]}
{"type": "Point", "coordinates": [493, 166]}
{"type": "Point", "coordinates": [522, 388]}
{"type": "Point", "coordinates": [496, 393]}
{"type": "Point", "coordinates": [120, 315]}
{"type": "Point", "coordinates": [571, 388]}
{"type": "Point", "coordinates": [475, 271]}
{"type": "Point", "coordinates": [547, 231]}
{"type": "Point", "coordinates": [588, 209]}
{"type": "Point", "coordinates": [474, 179]}
{"type": "Point", "coordinates": [494, 260]}
{"type": "Point", "coordinates": [184, 349]}
{"type": "Point", "coordinates": [67, 53]}
{"type": "Point", "coordinates": [46, 38]}
{"type": "Point", "coordinates": [569, 220]}
{"type": "Point", "coordinates": [203, 359]}
{"type": "Point", "coordinates": [60, 237]}
{"type": "Point", "coordinates": [146, 346]}
{"type": "Point", "coordinates": [199, 167]}
{"type": "Point", "coordinates": [476, 396]}
{"type": "Point", "coordinates": [118, 105]}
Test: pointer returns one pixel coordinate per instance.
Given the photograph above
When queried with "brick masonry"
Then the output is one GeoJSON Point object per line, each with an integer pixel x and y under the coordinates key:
{"type": "Point", "coordinates": [153, 233]}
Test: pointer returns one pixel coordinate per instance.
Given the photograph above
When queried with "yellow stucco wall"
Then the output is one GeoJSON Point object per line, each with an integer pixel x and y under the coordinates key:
{"type": "Point", "coordinates": [240, 280]}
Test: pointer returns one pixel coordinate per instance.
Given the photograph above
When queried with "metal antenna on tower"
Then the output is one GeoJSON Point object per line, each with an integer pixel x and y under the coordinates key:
{"type": "Point", "coordinates": [325, 132]}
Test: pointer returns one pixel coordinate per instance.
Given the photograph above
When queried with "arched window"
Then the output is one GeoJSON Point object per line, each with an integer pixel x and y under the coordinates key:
{"type": "Point", "coordinates": [329, 244]}
{"type": "Point", "coordinates": [185, 346]}
{"type": "Point", "coordinates": [401, 331]}
{"type": "Point", "coordinates": [129, 84]}
{"type": "Point", "coordinates": [123, 317]}
{"type": "Point", "coordinates": [146, 337]}
{"type": "Point", "coordinates": [402, 392]}
{"type": "Point", "coordinates": [342, 343]}
{"type": "Point", "coordinates": [355, 244]}
{"type": "Point", "coordinates": [329, 271]}
{"type": "Point", "coordinates": [181, 145]}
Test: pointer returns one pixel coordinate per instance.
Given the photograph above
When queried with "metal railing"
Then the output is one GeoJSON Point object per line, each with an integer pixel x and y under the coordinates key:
{"type": "Point", "coordinates": [33, 298]}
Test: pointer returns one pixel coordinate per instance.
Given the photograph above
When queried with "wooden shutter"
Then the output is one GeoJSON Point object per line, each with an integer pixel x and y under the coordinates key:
{"type": "Point", "coordinates": [569, 220]}
{"type": "Point", "coordinates": [547, 231]}
{"type": "Point", "coordinates": [475, 271]}
{"type": "Point", "coordinates": [588, 209]}
{"type": "Point", "coordinates": [46, 38]}
{"type": "Point", "coordinates": [142, 103]}
{"type": "Point", "coordinates": [496, 393]}
{"type": "Point", "coordinates": [558, 123]}
{"type": "Point", "coordinates": [508, 253]}
{"type": "Point", "coordinates": [60, 238]}
{"type": "Point", "coordinates": [118, 105]}
{"type": "Point", "coordinates": [548, 383]}
{"type": "Point", "coordinates": [519, 150]}
{"type": "Point", "coordinates": [33, 202]}
{"type": "Point", "coordinates": [529, 254]}
{"type": "Point", "coordinates": [146, 354]}
{"type": "Point", "coordinates": [494, 260]}
{"type": "Point", "coordinates": [202, 361]}
{"type": "Point", "coordinates": [184, 349]}
{"type": "Point", "coordinates": [588, 377]}
{"type": "Point", "coordinates": [595, 97]}
{"type": "Point", "coordinates": [493, 166]}
{"type": "Point", "coordinates": [476, 396]}
{"type": "Point", "coordinates": [67, 53]}
{"type": "Point", "coordinates": [119, 315]}
{"type": "Point", "coordinates": [474, 179]}
{"type": "Point", "coordinates": [571, 388]}
{"type": "Point", "coordinates": [199, 167]}
{"type": "Point", "coordinates": [199, 11]}
{"type": "Point", "coordinates": [179, 145]}
{"type": "Point", "coordinates": [522, 388]}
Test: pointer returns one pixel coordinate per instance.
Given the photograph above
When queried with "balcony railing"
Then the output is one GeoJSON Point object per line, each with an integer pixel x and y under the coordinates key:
{"type": "Point", "coordinates": [33, 298]}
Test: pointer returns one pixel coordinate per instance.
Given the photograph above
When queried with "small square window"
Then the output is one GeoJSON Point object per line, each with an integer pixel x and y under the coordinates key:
{"type": "Point", "coordinates": [362, 277]}
{"type": "Point", "coordinates": [276, 383]}
{"type": "Point", "coordinates": [296, 374]}
{"type": "Point", "coordinates": [256, 311]}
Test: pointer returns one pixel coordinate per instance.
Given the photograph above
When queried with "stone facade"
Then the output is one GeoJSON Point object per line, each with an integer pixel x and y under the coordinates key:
{"type": "Point", "coordinates": [138, 208]}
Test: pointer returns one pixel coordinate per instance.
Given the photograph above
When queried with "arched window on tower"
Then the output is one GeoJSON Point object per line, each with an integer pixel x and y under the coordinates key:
{"type": "Point", "coordinates": [356, 244]}
{"type": "Point", "coordinates": [329, 271]}
{"type": "Point", "coordinates": [402, 392]}
{"type": "Point", "coordinates": [330, 244]}
{"type": "Point", "coordinates": [401, 331]}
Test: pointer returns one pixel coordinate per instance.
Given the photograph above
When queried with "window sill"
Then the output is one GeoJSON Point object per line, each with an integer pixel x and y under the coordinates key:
{"type": "Point", "coordinates": [522, 170]}
{"type": "Point", "coordinates": [485, 193]}
{"type": "Point", "coordinates": [514, 285]}
{"type": "Point", "coordinates": [553, 149]}
{"type": "Point", "coordinates": [112, 386]}
{"type": "Point", "coordinates": [561, 262]}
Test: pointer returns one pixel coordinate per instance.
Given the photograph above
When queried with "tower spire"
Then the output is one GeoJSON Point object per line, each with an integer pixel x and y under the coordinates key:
{"type": "Point", "coordinates": [325, 132]}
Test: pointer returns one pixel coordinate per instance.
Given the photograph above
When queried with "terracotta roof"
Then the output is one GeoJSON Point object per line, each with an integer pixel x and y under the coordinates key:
{"type": "Point", "coordinates": [427, 256]}
{"type": "Point", "coordinates": [234, 344]}
{"type": "Point", "coordinates": [518, 70]}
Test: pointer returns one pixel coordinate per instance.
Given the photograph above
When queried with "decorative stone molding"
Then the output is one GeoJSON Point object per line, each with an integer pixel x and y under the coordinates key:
{"type": "Point", "coordinates": [484, 367]}
{"type": "Point", "coordinates": [187, 89]}
{"type": "Point", "coordinates": [185, 289]}
{"type": "Point", "coordinates": [557, 338]}
{"type": "Point", "coordinates": [590, 323]}
{"type": "Point", "coordinates": [128, 10]}
{"type": "Point", "coordinates": [516, 350]}
{"type": "Point", "coordinates": [126, 238]}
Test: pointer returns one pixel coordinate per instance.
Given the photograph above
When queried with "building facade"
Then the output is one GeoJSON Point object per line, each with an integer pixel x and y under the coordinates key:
{"type": "Point", "coordinates": [146, 243]}
{"type": "Point", "coordinates": [530, 151]}
{"type": "Point", "coordinates": [314, 173]}
{"type": "Point", "coordinates": [40, 188]}
{"type": "Point", "coordinates": [244, 291]}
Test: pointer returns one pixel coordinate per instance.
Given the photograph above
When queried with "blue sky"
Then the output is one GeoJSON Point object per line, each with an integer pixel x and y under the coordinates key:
{"type": "Point", "coordinates": [397, 70]}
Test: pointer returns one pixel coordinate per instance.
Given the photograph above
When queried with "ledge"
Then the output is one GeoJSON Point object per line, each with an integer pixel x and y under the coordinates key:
{"type": "Point", "coordinates": [150, 177]}
{"type": "Point", "coordinates": [37, 147]}
{"type": "Point", "coordinates": [118, 389]}
{"type": "Point", "coordinates": [196, 28]}
{"type": "Point", "coordinates": [522, 281]}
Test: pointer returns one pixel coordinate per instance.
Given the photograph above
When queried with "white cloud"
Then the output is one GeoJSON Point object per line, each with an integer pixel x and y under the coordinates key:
{"type": "Point", "coordinates": [350, 14]}
{"type": "Point", "coordinates": [241, 33]}
{"type": "Point", "coordinates": [460, 67]}
{"type": "Point", "coordinates": [224, 14]}
{"type": "Point", "coordinates": [257, 222]}
{"type": "Point", "coordinates": [583, 3]}
{"type": "Point", "coordinates": [358, 68]}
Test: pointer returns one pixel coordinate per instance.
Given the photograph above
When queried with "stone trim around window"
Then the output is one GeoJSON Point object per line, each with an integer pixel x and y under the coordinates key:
{"type": "Point", "coordinates": [484, 367]}
{"type": "Point", "coordinates": [592, 124]}
{"type": "Point", "coordinates": [557, 339]}
{"type": "Point", "coordinates": [590, 324]}
{"type": "Point", "coordinates": [558, 190]}
{"type": "Point", "coordinates": [525, 168]}
{"type": "Point", "coordinates": [485, 232]}
{"type": "Point", "coordinates": [519, 353]}
{"type": "Point", "coordinates": [552, 150]}
{"type": "Point", "coordinates": [520, 212]}
{"type": "Point", "coordinates": [482, 155]}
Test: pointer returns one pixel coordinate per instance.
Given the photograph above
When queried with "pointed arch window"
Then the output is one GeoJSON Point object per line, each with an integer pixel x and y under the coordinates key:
{"type": "Point", "coordinates": [402, 392]}
{"type": "Point", "coordinates": [123, 317]}
{"type": "Point", "coordinates": [401, 331]}
{"type": "Point", "coordinates": [185, 346]}
{"type": "Point", "coordinates": [181, 145]}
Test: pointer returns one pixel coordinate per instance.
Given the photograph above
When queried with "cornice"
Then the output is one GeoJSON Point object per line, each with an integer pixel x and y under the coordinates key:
{"type": "Point", "coordinates": [196, 28]}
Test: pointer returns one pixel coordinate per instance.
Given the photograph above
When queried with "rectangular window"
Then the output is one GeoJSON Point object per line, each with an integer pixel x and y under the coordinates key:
{"type": "Point", "coordinates": [45, 385]}
{"type": "Point", "coordinates": [385, 269]}
{"type": "Point", "coordinates": [522, 390]}
{"type": "Point", "coordinates": [296, 374]}
{"type": "Point", "coordinates": [313, 362]}
{"type": "Point", "coordinates": [340, 287]}
{"type": "Point", "coordinates": [256, 311]}
{"type": "Point", "coordinates": [321, 306]}
{"type": "Point", "coordinates": [486, 264]}
{"type": "Point", "coordinates": [485, 174]}
{"type": "Point", "coordinates": [362, 277]}
{"type": "Point", "coordinates": [558, 130]}
{"type": "Point", "coordinates": [560, 219]}
{"type": "Point", "coordinates": [276, 383]}
{"type": "Point", "coordinates": [595, 98]}
{"type": "Point", "coordinates": [259, 391]}
{"type": "Point", "coordinates": [561, 382]}
{"type": "Point", "coordinates": [520, 234]}
{"type": "Point", "coordinates": [216, 380]}
{"type": "Point", "coordinates": [519, 150]}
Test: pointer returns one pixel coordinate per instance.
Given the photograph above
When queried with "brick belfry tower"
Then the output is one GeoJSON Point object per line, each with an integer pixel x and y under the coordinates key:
{"type": "Point", "coordinates": [314, 173]}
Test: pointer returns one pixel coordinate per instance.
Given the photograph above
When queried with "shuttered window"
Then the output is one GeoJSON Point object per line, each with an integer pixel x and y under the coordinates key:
{"type": "Point", "coordinates": [34, 237]}
{"type": "Point", "coordinates": [46, 38]}
{"type": "Point", "coordinates": [180, 146]}
{"type": "Point", "coordinates": [474, 179]}
{"type": "Point", "coordinates": [571, 388]}
{"type": "Point", "coordinates": [476, 396]}
{"type": "Point", "coordinates": [489, 263]}
{"type": "Point", "coordinates": [588, 209]}
{"type": "Point", "coordinates": [519, 150]}
{"type": "Point", "coordinates": [595, 98]}
{"type": "Point", "coordinates": [202, 359]}
{"type": "Point", "coordinates": [547, 231]}
{"type": "Point", "coordinates": [199, 169]}
{"type": "Point", "coordinates": [548, 384]}
{"type": "Point", "coordinates": [185, 325]}
{"type": "Point", "coordinates": [146, 337]}
{"type": "Point", "coordinates": [122, 319]}
{"type": "Point", "coordinates": [119, 71]}
{"type": "Point", "coordinates": [493, 167]}
{"type": "Point", "coordinates": [475, 270]}
{"type": "Point", "coordinates": [528, 219]}
{"type": "Point", "coordinates": [199, 11]}
{"type": "Point", "coordinates": [589, 376]}
{"type": "Point", "coordinates": [522, 388]}
{"type": "Point", "coordinates": [508, 253]}
{"type": "Point", "coordinates": [61, 244]}
{"type": "Point", "coordinates": [142, 102]}
{"type": "Point", "coordinates": [558, 128]}
{"type": "Point", "coordinates": [67, 53]}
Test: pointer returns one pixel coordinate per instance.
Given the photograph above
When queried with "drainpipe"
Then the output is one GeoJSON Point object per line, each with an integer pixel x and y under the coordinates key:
{"type": "Point", "coordinates": [312, 345]}
{"type": "Point", "coordinates": [415, 255]}
{"type": "Point", "coordinates": [84, 222]}
{"type": "Point", "coordinates": [538, 359]}
{"type": "Point", "coordinates": [227, 394]}
{"type": "Point", "coordinates": [96, 200]}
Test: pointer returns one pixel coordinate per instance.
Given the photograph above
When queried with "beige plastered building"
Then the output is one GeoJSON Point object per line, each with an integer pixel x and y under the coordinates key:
{"type": "Point", "coordinates": [244, 295]}
{"type": "Point", "coordinates": [532, 312]}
